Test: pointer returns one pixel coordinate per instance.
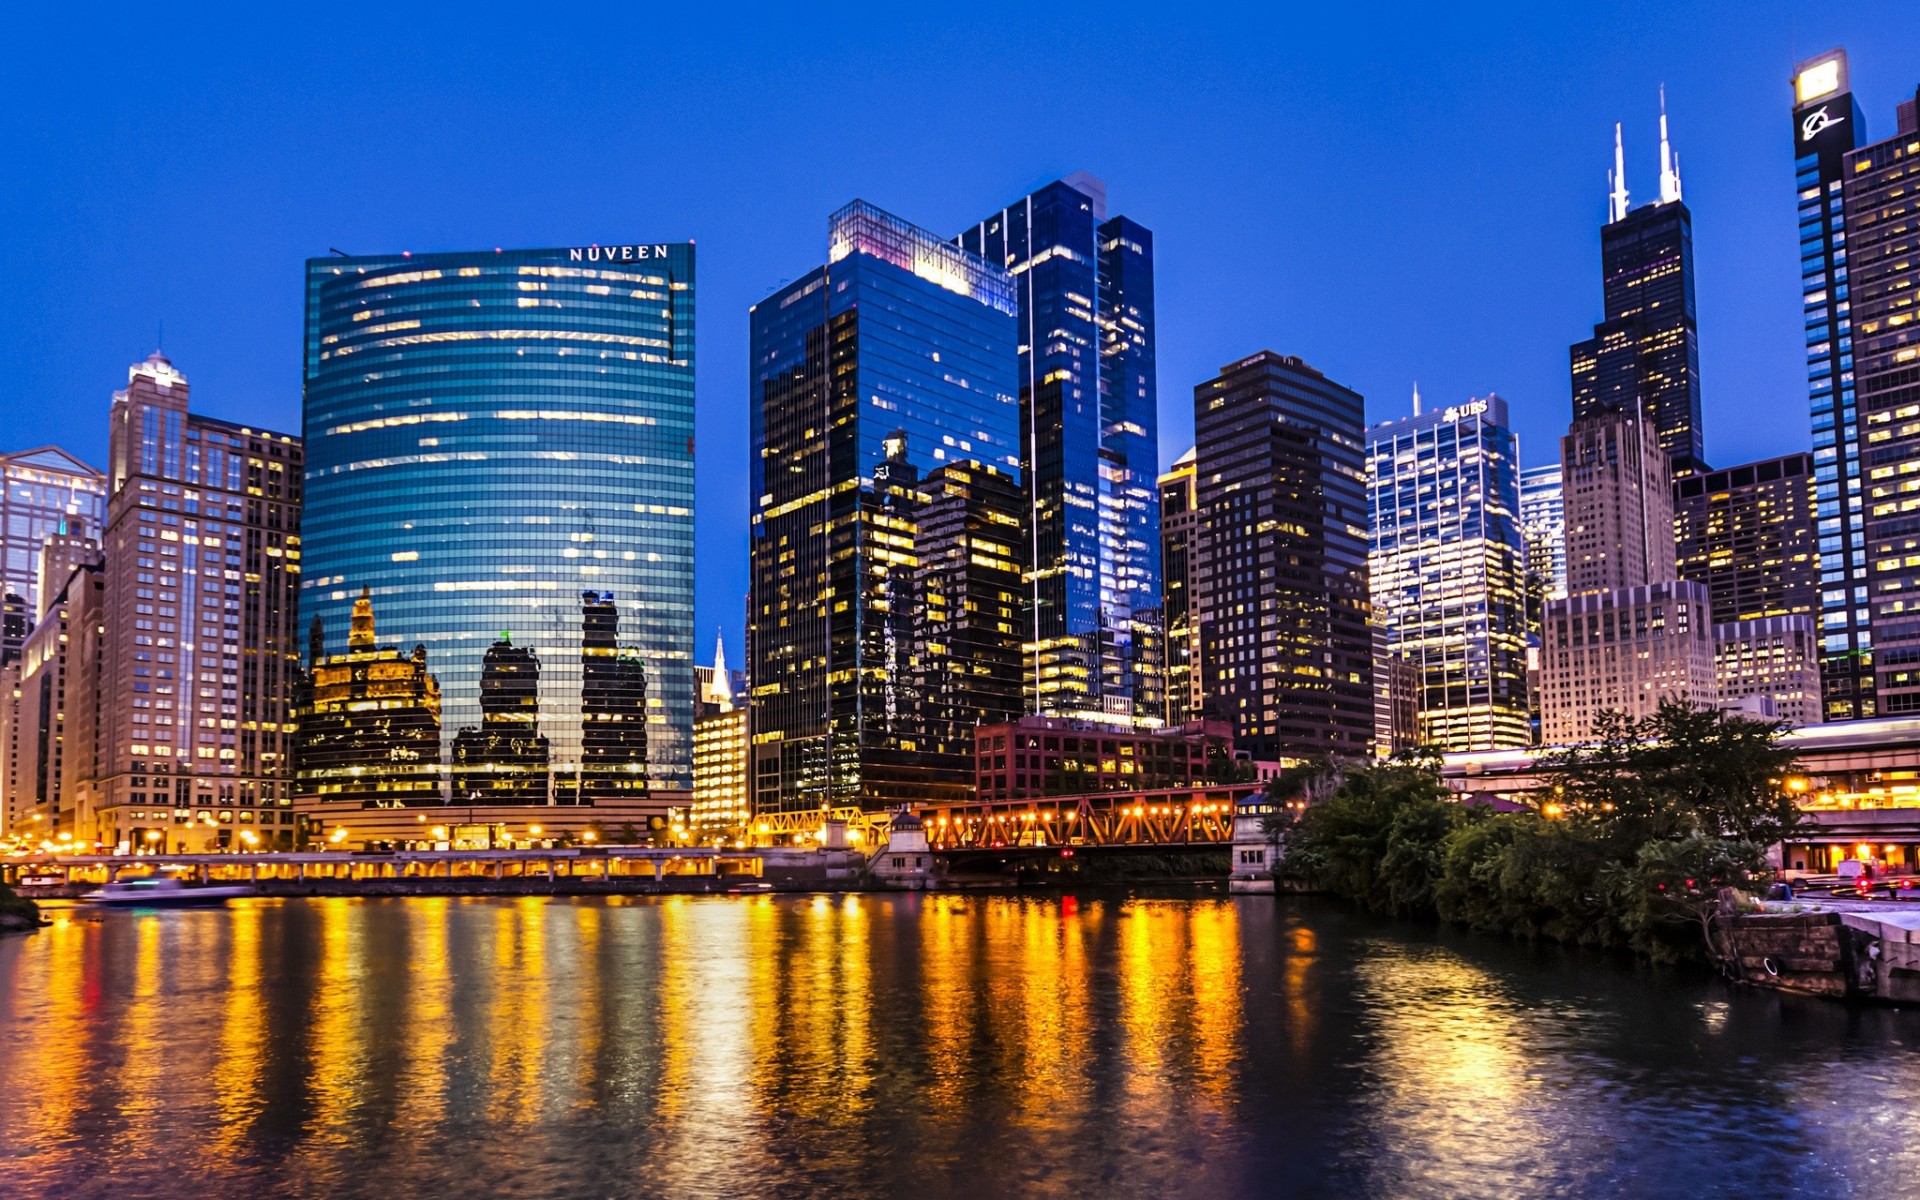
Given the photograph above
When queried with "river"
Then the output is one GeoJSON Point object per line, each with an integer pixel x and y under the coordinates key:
{"type": "Point", "coordinates": [918, 1046]}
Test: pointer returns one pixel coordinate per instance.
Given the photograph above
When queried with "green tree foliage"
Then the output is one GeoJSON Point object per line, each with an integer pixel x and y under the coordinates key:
{"type": "Point", "coordinates": [1630, 844]}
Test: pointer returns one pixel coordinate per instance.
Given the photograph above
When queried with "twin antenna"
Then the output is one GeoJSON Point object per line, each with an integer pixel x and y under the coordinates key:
{"type": "Point", "coordinates": [1669, 169]}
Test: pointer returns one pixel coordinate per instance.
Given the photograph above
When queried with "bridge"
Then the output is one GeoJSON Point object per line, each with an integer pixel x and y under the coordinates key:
{"type": "Point", "coordinates": [1162, 818]}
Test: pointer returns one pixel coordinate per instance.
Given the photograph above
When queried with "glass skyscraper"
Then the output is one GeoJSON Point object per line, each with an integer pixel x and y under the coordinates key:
{"type": "Point", "coordinates": [39, 490]}
{"type": "Point", "coordinates": [1543, 532]}
{"type": "Point", "coordinates": [1827, 125]}
{"type": "Point", "coordinates": [500, 455]}
{"type": "Point", "coordinates": [887, 542]}
{"type": "Point", "coordinates": [1089, 438]}
{"type": "Point", "coordinates": [1446, 570]}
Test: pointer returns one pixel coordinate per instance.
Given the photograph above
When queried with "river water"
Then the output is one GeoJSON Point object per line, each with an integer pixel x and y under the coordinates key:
{"type": "Point", "coordinates": [919, 1046]}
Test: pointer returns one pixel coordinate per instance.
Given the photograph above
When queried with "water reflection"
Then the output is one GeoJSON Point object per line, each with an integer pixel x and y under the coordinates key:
{"type": "Point", "coordinates": [923, 1045]}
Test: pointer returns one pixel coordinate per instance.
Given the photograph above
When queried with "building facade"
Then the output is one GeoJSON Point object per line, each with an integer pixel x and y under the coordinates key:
{"type": "Point", "coordinates": [1774, 659]}
{"type": "Point", "coordinates": [1625, 650]}
{"type": "Point", "coordinates": [1543, 535]}
{"type": "Point", "coordinates": [195, 649]}
{"type": "Point", "coordinates": [1281, 582]}
{"type": "Point", "coordinates": [1746, 532]}
{"type": "Point", "coordinates": [1645, 353]}
{"type": "Point", "coordinates": [1827, 125]}
{"type": "Point", "coordinates": [43, 490]}
{"type": "Point", "coordinates": [1881, 195]}
{"type": "Point", "coordinates": [1617, 488]}
{"type": "Point", "coordinates": [1089, 445]}
{"type": "Point", "coordinates": [1055, 756]}
{"type": "Point", "coordinates": [1446, 569]}
{"type": "Point", "coordinates": [1179, 543]}
{"type": "Point", "coordinates": [871, 375]}
{"type": "Point", "coordinates": [722, 806]}
{"type": "Point", "coordinates": [501, 457]}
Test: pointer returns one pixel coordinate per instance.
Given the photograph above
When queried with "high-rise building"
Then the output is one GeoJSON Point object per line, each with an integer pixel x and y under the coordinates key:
{"type": "Point", "coordinates": [1448, 584]}
{"type": "Point", "coordinates": [1774, 660]}
{"type": "Point", "coordinates": [1089, 444]}
{"type": "Point", "coordinates": [501, 455]}
{"type": "Point", "coordinates": [871, 374]}
{"type": "Point", "coordinates": [367, 720]}
{"type": "Point", "coordinates": [42, 489]}
{"type": "Point", "coordinates": [1543, 533]}
{"type": "Point", "coordinates": [1617, 491]}
{"type": "Point", "coordinates": [195, 652]}
{"type": "Point", "coordinates": [1281, 583]}
{"type": "Point", "coordinates": [1179, 542]}
{"type": "Point", "coordinates": [73, 544]}
{"type": "Point", "coordinates": [1881, 196]}
{"type": "Point", "coordinates": [1747, 533]}
{"type": "Point", "coordinates": [1645, 352]}
{"type": "Point", "coordinates": [1827, 125]}
{"type": "Point", "coordinates": [722, 803]}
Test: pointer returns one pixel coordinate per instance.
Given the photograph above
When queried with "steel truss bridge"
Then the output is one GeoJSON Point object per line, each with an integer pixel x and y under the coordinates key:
{"type": "Point", "coordinates": [1171, 817]}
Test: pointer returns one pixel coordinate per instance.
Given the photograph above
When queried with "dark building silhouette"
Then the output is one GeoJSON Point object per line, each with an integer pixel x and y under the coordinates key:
{"type": "Point", "coordinates": [1280, 585]}
{"type": "Point", "coordinates": [613, 706]}
{"type": "Point", "coordinates": [367, 722]}
{"type": "Point", "coordinates": [1646, 349]}
{"type": "Point", "coordinates": [504, 761]}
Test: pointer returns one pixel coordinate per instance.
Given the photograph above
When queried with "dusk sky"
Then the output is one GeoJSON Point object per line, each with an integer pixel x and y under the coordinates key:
{"type": "Point", "coordinates": [1392, 193]}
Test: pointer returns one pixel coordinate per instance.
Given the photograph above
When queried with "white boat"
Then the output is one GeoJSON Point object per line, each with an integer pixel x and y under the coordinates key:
{"type": "Point", "coordinates": [159, 891]}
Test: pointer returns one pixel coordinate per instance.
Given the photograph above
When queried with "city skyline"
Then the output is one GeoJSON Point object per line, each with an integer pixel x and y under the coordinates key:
{"type": "Point", "coordinates": [1239, 269]}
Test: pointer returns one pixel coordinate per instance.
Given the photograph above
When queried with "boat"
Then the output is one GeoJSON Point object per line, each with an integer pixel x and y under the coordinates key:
{"type": "Point", "coordinates": [158, 891]}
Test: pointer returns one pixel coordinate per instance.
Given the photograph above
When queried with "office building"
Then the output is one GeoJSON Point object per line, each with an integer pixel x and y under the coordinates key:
{"type": "Point", "coordinates": [1281, 582]}
{"type": "Point", "coordinates": [43, 489]}
{"type": "Point", "coordinates": [1543, 534]}
{"type": "Point", "coordinates": [367, 720]}
{"type": "Point", "coordinates": [1827, 125]}
{"type": "Point", "coordinates": [722, 804]}
{"type": "Point", "coordinates": [193, 657]}
{"type": "Point", "coordinates": [1624, 649]}
{"type": "Point", "coordinates": [1645, 354]}
{"type": "Point", "coordinates": [1179, 541]}
{"type": "Point", "coordinates": [1774, 660]}
{"type": "Point", "coordinates": [1881, 196]}
{"type": "Point", "coordinates": [1448, 583]}
{"type": "Point", "coordinates": [871, 375]}
{"type": "Point", "coordinates": [1617, 490]}
{"type": "Point", "coordinates": [1746, 532]}
{"type": "Point", "coordinates": [1089, 445]}
{"type": "Point", "coordinates": [500, 456]}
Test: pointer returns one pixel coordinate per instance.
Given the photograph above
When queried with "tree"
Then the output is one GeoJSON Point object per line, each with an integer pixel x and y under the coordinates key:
{"type": "Point", "coordinates": [1674, 890]}
{"type": "Point", "coordinates": [1377, 839]}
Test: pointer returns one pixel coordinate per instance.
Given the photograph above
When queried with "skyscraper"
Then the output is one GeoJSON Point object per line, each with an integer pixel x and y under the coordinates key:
{"type": "Point", "coordinates": [501, 450]}
{"type": "Point", "coordinates": [1446, 570]}
{"type": "Point", "coordinates": [1617, 493]}
{"type": "Point", "coordinates": [1827, 125]}
{"type": "Point", "coordinates": [195, 645]}
{"type": "Point", "coordinates": [1881, 196]}
{"type": "Point", "coordinates": [870, 375]}
{"type": "Point", "coordinates": [1089, 443]}
{"type": "Point", "coordinates": [1543, 531]}
{"type": "Point", "coordinates": [39, 490]}
{"type": "Point", "coordinates": [1645, 352]}
{"type": "Point", "coordinates": [1179, 544]}
{"type": "Point", "coordinates": [1747, 533]}
{"type": "Point", "coordinates": [1281, 586]}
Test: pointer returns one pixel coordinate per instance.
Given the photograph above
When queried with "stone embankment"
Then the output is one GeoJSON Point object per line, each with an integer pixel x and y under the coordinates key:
{"type": "Point", "coordinates": [1846, 955]}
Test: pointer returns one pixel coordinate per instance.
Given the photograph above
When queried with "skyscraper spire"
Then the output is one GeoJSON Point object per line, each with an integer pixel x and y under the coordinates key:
{"type": "Point", "coordinates": [1617, 180]}
{"type": "Point", "coordinates": [722, 686]}
{"type": "Point", "coordinates": [1669, 161]}
{"type": "Point", "coordinates": [1416, 397]}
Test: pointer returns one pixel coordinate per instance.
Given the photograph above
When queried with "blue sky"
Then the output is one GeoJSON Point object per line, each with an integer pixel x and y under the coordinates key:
{"type": "Point", "coordinates": [1392, 193]}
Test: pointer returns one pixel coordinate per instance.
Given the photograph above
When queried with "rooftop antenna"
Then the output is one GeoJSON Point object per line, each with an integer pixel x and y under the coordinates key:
{"type": "Point", "coordinates": [1416, 397]}
{"type": "Point", "coordinates": [1669, 161]}
{"type": "Point", "coordinates": [1617, 180]}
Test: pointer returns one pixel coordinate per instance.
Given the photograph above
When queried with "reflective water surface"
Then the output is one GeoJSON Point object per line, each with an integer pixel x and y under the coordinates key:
{"type": "Point", "coordinates": [919, 1046]}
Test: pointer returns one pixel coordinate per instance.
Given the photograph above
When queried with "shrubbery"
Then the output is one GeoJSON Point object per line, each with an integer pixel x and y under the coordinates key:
{"type": "Point", "coordinates": [1629, 847]}
{"type": "Point", "coordinates": [12, 905]}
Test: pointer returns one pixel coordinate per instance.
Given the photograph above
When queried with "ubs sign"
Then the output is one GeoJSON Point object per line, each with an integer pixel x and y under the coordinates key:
{"type": "Point", "coordinates": [600, 254]}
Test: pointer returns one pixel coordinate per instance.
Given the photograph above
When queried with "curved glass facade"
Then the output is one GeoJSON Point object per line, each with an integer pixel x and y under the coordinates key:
{"type": "Point", "coordinates": [501, 453]}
